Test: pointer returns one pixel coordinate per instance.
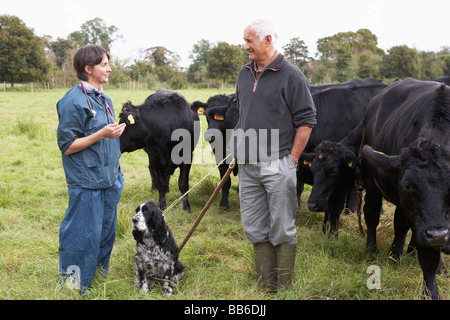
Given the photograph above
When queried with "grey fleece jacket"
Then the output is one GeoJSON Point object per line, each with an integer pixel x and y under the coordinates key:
{"type": "Point", "coordinates": [271, 107]}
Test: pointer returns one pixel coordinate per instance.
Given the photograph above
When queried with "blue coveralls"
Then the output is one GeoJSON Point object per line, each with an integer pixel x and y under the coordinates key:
{"type": "Point", "coordinates": [94, 182]}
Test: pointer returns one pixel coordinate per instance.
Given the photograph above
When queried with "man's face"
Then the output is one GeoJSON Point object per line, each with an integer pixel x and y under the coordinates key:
{"type": "Point", "coordinates": [256, 49]}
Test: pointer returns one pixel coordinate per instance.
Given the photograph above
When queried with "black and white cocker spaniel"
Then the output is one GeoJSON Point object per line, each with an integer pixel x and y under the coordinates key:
{"type": "Point", "coordinates": [156, 250]}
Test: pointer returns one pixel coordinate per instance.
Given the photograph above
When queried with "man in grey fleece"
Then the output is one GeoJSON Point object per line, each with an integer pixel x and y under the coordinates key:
{"type": "Point", "coordinates": [276, 116]}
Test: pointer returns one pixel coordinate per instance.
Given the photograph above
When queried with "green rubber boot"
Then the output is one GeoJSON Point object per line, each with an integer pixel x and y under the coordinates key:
{"type": "Point", "coordinates": [265, 264]}
{"type": "Point", "coordinates": [286, 261]}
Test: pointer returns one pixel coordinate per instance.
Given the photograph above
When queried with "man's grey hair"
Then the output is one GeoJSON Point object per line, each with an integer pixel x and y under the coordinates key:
{"type": "Point", "coordinates": [264, 28]}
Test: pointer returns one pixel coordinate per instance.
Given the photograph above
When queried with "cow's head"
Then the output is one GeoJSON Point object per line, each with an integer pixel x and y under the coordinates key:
{"type": "Point", "coordinates": [232, 115]}
{"type": "Point", "coordinates": [215, 116]}
{"type": "Point", "coordinates": [131, 139]}
{"type": "Point", "coordinates": [332, 165]}
{"type": "Point", "coordinates": [423, 177]}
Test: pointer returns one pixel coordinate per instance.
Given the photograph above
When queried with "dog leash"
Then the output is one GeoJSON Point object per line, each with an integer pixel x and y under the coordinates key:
{"type": "Point", "coordinates": [208, 204]}
{"type": "Point", "coordinates": [207, 175]}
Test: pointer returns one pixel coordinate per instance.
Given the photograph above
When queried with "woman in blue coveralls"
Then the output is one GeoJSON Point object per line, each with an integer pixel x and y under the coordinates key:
{"type": "Point", "coordinates": [88, 139]}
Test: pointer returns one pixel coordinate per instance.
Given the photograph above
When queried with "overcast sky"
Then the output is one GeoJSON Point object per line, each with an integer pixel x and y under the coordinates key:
{"type": "Point", "coordinates": [178, 25]}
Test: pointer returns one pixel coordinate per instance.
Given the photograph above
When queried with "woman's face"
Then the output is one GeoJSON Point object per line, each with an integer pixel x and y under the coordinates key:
{"type": "Point", "coordinates": [99, 73]}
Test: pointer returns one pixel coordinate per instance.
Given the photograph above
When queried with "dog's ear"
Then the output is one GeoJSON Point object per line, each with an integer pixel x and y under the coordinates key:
{"type": "Point", "coordinates": [137, 235]}
{"type": "Point", "coordinates": [155, 222]}
{"type": "Point", "coordinates": [159, 231]}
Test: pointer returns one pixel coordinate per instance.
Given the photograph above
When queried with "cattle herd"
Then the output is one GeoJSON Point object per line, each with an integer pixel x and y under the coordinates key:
{"type": "Point", "coordinates": [387, 141]}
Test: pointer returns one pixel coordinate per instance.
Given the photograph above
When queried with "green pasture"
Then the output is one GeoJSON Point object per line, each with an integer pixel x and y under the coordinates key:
{"type": "Point", "coordinates": [218, 259]}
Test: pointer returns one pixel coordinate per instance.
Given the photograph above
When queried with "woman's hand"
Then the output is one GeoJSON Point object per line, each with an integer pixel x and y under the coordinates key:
{"type": "Point", "coordinates": [111, 131]}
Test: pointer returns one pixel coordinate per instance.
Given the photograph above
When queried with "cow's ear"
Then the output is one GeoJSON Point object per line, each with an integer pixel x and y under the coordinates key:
{"type": "Point", "coordinates": [306, 158]}
{"type": "Point", "coordinates": [199, 107]}
{"type": "Point", "coordinates": [350, 158]}
{"type": "Point", "coordinates": [384, 164]}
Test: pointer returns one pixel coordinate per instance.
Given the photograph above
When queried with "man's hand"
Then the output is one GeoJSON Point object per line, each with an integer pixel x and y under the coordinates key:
{"type": "Point", "coordinates": [301, 138]}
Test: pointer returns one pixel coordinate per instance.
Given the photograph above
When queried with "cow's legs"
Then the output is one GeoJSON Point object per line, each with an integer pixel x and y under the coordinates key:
{"type": "Point", "coordinates": [372, 207]}
{"type": "Point", "coordinates": [401, 228]}
{"type": "Point", "coordinates": [183, 184]}
{"type": "Point", "coordinates": [224, 202]}
{"type": "Point", "coordinates": [163, 185]}
{"type": "Point", "coordinates": [152, 171]}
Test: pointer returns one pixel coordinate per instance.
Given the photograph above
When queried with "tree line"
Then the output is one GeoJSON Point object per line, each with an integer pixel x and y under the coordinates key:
{"type": "Point", "coordinates": [26, 57]}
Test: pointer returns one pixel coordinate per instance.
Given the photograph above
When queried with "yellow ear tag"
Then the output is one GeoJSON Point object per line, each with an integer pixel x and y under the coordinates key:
{"type": "Point", "coordinates": [350, 163]}
{"type": "Point", "coordinates": [131, 119]}
{"type": "Point", "coordinates": [201, 110]}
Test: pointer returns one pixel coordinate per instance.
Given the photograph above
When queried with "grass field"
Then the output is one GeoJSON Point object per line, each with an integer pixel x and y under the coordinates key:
{"type": "Point", "coordinates": [218, 260]}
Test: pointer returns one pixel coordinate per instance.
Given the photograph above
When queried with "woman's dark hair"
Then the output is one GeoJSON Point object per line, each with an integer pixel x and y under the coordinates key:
{"type": "Point", "coordinates": [89, 55]}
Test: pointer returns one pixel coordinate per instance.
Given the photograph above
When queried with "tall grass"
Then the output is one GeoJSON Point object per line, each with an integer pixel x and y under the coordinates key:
{"type": "Point", "coordinates": [218, 259]}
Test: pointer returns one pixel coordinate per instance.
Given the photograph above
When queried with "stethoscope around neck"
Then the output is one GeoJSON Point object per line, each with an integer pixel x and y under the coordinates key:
{"type": "Point", "coordinates": [108, 109]}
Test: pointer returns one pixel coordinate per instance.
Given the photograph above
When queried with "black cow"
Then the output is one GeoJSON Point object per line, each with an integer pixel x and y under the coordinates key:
{"type": "Point", "coordinates": [445, 80]}
{"type": "Point", "coordinates": [150, 126]}
{"type": "Point", "coordinates": [406, 159]}
{"type": "Point", "coordinates": [219, 120]}
{"type": "Point", "coordinates": [350, 84]}
{"type": "Point", "coordinates": [333, 165]}
{"type": "Point", "coordinates": [340, 109]}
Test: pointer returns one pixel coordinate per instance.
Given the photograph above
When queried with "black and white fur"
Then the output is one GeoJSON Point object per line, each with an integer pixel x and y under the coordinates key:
{"type": "Point", "coordinates": [156, 250]}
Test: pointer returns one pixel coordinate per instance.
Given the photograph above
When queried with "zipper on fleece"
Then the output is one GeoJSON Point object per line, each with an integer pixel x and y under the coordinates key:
{"type": "Point", "coordinates": [254, 78]}
{"type": "Point", "coordinates": [257, 79]}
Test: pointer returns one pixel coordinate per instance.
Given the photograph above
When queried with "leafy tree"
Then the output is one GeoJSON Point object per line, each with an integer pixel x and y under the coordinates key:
{"type": "Point", "coordinates": [296, 52]}
{"type": "Point", "coordinates": [22, 53]}
{"type": "Point", "coordinates": [446, 60]}
{"type": "Point", "coordinates": [61, 48]}
{"type": "Point", "coordinates": [199, 56]}
{"type": "Point", "coordinates": [178, 80]}
{"type": "Point", "coordinates": [196, 73]}
{"type": "Point", "coordinates": [400, 62]}
{"type": "Point", "coordinates": [353, 54]}
{"type": "Point", "coordinates": [160, 57]}
{"type": "Point", "coordinates": [343, 59]}
{"type": "Point", "coordinates": [225, 62]}
{"type": "Point", "coordinates": [95, 31]}
{"type": "Point", "coordinates": [140, 69]}
{"type": "Point", "coordinates": [164, 62]}
{"type": "Point", "coordinates": [69, 75]}
{"type": "Point", "coordinates": [359, 41]}
{"type": "Point", "coordinates": [444, 56]}
{"type": "Point", "coordinates": [322, 71]}
{"type": "Point", "coordinates": [430, 67]}
{"type": "Point", "coordinates": [119, 72]}
{"type": "Point", "coordinates": [164, 73]}
{"type": "Point", "coordinates": [200, 52]}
